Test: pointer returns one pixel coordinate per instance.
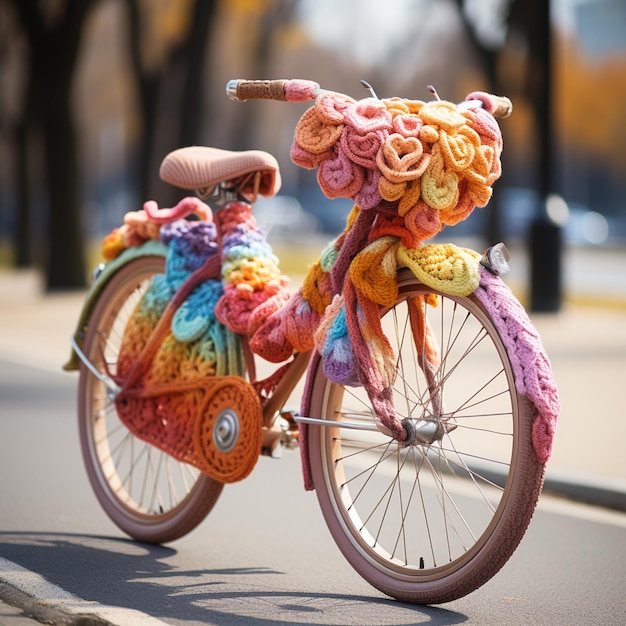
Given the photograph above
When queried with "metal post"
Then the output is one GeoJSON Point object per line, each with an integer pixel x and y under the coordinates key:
{"type": "Point", "coordinates": [545, 235]}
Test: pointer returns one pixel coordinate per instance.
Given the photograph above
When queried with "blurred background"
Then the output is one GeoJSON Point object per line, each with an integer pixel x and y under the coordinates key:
{"type": "Point", "coordinates": [94, 93]}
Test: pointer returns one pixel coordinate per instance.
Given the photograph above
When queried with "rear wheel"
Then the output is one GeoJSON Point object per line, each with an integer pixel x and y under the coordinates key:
{"type": "Point", "coordinates": [147, 493]}
{"type": "Point", "coordinates": [429, 522]}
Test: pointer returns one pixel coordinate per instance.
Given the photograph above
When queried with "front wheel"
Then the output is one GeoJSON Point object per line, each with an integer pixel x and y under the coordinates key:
{"type": "Point", "coordinates": [148, 494]}
{"type": "Point", "coordinates": [429, 522]}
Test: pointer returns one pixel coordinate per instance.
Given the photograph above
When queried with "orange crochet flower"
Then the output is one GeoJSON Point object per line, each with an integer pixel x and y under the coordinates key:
{"type": "Point", "coordinates": [402, 158]}
{"type": "Point", "coordinates": [315, 134]}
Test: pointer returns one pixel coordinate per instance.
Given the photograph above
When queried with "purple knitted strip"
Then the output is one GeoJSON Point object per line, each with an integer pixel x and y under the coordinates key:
{"type": "Point", "coordinates": [531, 366]}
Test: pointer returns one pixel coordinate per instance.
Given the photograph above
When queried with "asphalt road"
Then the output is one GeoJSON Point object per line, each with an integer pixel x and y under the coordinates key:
{"type": "Point", "coordinates": [264, 554]}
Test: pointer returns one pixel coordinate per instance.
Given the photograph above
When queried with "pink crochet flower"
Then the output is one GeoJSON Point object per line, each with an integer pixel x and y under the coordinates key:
{"type": "Point", "coordinates": [423, 221]}
{"type": "Point", "coordinates": [368, 195]}
{"type": "Point", "coordinates": [330, 107]}
{"type": "Point", "coordinates": [362, 149]}
{"type": "Point", "coordinates": [338, 177]}
{"type": "Point", "coordinates": [407, 125]}
{"type": "Point", "coordinates": [368, 115]}
{"type": "Point", "coordinates": [306, 159]}
{"type": "Point", "coordinates": [486, 126]}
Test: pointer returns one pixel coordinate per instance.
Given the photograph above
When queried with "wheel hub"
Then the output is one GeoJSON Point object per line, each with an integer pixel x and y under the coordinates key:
{"type": "Point", "coordinates": [228, 434]}
{"type": "Point", "coordinates": [425, 431]}
{"type": "Point", "coordinates": [226, 430]}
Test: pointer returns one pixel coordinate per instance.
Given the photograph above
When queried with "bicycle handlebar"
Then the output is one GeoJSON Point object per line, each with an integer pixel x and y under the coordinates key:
{"type": "Point", "coordinates": [242, 90]}
{"type": "Point", "coordinates": [503, 108]}
{"type": "Point", "coordinates": [285, 90]}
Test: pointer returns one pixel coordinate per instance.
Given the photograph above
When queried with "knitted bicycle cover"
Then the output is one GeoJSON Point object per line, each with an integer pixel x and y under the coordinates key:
{"type": "Point", "coordinates": [412, 168]}
{"type": "Point", "coordinates": [180, 368]}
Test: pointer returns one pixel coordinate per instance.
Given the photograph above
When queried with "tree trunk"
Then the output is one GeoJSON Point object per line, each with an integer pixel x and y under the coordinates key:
{"type": "Point", "coordinates": [172, 91]}
{"type": "Point", "coordinates": [53, 55]}
{"type": "Point", "coordinates": [22, 239]}
{"type": "Point", "coordinates": [195, 56]}
{"type": "Point", "coordinates": [488, 58]}
{"type": "Point", "coordinates": [66, 254]}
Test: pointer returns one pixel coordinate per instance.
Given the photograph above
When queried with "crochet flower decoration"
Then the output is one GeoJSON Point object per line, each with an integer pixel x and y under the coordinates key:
{"type": "Point", "coordinates": [432, 161]}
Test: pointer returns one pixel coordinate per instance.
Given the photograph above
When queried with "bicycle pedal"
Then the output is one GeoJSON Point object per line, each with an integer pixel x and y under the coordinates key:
{"type": "Point", "coordinates": [290, 429]}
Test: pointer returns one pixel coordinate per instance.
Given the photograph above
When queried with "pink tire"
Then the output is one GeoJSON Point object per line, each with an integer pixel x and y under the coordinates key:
{"type": "Point", "coordinates": [429, 523]}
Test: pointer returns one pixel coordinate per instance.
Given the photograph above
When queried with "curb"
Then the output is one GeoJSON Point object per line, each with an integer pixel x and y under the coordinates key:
{"type": "Point", "coordinates": [607, 493]}
{"type": "Point", "coordinates": [28, 607]}
{"type": "Point", "coordinates": [49, 604]}
{"type": "Point", "coordinates": [579, 487]}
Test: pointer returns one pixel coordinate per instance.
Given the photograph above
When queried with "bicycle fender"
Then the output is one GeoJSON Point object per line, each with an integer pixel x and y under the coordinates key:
{"type": "Point", "coordinates": [305, 405]}
{"type": "Point", "coordinates": [152, 247]}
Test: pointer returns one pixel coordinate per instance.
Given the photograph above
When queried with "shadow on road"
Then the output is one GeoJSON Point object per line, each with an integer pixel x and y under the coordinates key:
{"type": "Point", "coordinates": [125, 573]}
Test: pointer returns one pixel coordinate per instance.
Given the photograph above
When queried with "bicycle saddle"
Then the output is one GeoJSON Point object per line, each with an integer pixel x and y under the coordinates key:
{"type": "Point", "coordinates": [201, 168]}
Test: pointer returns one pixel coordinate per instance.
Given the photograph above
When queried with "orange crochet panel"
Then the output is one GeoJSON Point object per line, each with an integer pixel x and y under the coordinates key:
{"type": "Point", "coordinates": [180, 368]}
{"type": "Point", "coordinates": [176, 396]}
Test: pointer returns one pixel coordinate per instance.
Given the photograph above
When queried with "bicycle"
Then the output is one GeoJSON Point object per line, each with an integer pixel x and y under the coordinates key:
{"type": "Point", "coordinates": [429, 406]}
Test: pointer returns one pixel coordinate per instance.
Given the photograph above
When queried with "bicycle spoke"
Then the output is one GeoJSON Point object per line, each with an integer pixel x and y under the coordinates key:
{"type": "Point", "coordinates": [421, 506]}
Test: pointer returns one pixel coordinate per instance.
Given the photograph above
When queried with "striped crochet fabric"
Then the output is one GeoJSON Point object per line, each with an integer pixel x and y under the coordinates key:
{"type": "Point", "coordinates": [254, 288]}
{"type": "Point", "coordinates": [197, 345]}
{"type": "Point", "coordinates": [167, 372]}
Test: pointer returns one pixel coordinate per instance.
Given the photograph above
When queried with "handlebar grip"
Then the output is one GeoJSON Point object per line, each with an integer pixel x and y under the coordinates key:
{"type": "Point", "coordinates": [503, 106]}
{"type": "Point", "coordinates": [242, 90]}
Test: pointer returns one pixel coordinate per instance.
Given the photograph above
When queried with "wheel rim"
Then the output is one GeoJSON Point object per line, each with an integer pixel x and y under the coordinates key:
{"type": "Point", "coordinates": [410, 511]}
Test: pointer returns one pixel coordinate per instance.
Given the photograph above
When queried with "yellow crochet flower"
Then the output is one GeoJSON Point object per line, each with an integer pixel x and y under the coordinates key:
{"type": "Point", "coordinates": [444, 266]}
{"type": "Point", "coordinates": [396, 106]}
{"type": "Point", "coordinates": [459, 148]}
{"type": "Point", "coordinates": [113, 245]}
{"type": "Point", "coordinates": [439, 186]}
{"type": "Point", "coordinates": [442, 114]}
{"type": "Point", "coordinates": [312, 291]}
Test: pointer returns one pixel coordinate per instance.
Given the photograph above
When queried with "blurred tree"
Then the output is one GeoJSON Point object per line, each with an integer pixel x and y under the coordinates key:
{"type": "Point", "coordinates": [53, 31]}
{"type": "Point", "coordinates": [530, 19]}
{"type": "Point", "coordinates": [590, 96]}
{"type": "Point", "coordinates": [168, 42]}
{"type": "Point", "coordinates": [487, 27]}
{"type": "Point", "coordinates": [258, 24]}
